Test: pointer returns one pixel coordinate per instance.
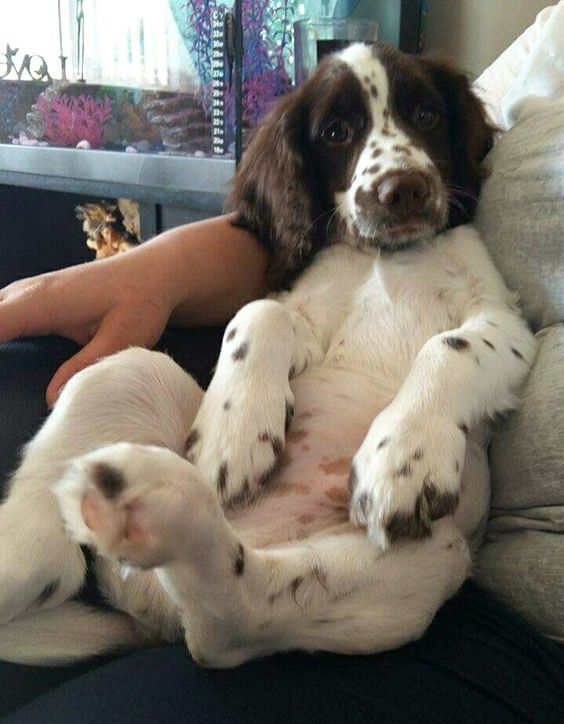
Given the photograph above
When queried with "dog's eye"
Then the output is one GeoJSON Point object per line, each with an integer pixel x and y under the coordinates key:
{"type": "Point", "coordinates": [336, 132]}
{"type": "Point", "coordinates": [426, 116]}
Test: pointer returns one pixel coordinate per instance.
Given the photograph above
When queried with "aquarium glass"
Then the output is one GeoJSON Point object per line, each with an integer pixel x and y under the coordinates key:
{"type": "Point", "coordinates": [144, 76]}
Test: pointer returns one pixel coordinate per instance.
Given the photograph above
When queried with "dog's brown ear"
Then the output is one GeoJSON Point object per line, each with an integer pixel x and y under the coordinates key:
{"type": "Point", "coordinates": [470, 136]}
{"type": "Point", "coordinates": [275, 193]}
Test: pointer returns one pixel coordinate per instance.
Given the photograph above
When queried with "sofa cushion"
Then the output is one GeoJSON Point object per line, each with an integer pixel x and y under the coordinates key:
{"type": "Point", "coordinates": [521, 211]}
{"type": "Point", "coordinates": [522, 559]}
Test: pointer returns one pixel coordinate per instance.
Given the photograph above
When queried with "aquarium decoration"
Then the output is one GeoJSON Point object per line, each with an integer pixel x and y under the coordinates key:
{"type": "Point", "coordinates": [62, 57]}
{"type": "Point", "coordinates": [39, 71]}
{"type": "Point", "coordinates": [200, 119]}
{"type": "Point", "coordinates": [80, 40]}
{"type": "Point", "coordinates": [68, 121]}
{"type": "Point", "coordinates": [267, 44]}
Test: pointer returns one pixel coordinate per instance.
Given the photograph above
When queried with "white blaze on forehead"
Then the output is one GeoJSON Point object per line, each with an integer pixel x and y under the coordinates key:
{"type": "Point", "coordinates": [371, 74]}
{"type": "Point", "coordinates": [380, 153]}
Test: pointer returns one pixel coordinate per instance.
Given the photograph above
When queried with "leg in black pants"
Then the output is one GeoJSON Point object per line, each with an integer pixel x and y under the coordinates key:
{"type": "Point", "coordinates": [477, 663]}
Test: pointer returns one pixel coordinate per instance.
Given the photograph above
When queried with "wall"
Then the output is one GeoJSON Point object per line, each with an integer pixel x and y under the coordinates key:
{"type": "Point", "coordinates": [475, 32]}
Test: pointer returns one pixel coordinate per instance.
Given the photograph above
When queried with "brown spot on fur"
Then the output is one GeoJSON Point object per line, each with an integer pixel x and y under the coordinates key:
{"type": "Point", "coordinates": [222, 479]}
{"type": "Point", "coordinates": [240, 561]}
{"type": "Point", "coordinates": [241, 352]}
{"type": "Point", "coordinates": [276, 442]}
{"type": "Point", "coordinates": [517, 353]}
{"type": "Point", "coordinates": [418, 454]}
{"type": "Point", "coordinates": [438, 503]}
{"type": "Point", "coordinates": [386, 132]}
{"type": "Point", "coordinates": [274, 597]}
{"type": "Point", "coordinates": [277, 446]}
{"type": "Point", "coordinates": [402, 148]}
{"type": "Point", "coordinates": [227, 405]}
{"type": "Point", "coordinates": [336, 467]}
{"type": "Point", "coordinates": [364, 504]}
{"type": "Point", "coordinates": [383, 442]}
{"type": "Point", "coordinates": [296, 583]}
{"type": "Point", "coordinates": [463, 428]}
{"type": "Point", "coordinates": [352, 480]}
{"type": "Point", "coordinates": [376, 152]}
{"type": "Point", "coordinates": [229, 336]}
{"type": "Point", "coordinates": [48, 592]}
{"type": "Point", "coordinates": [285, 459]}
{"type": "Point", "coordinates": [457, 343]}
{"type": "Point", "coordinates": [306, 448]}
{"type": "Point", "coordinates": [108, 479]}
{"type": "Point", "coordinates": [337, 495]}
{"type": "Point", "coordinates": [374, 169]}
{"type": "Point", "coordinates": [297, 435]}
{"type": "Point", "coordinates": [266, 477]}
{"type": "Point", "coordinates": [430, 505]}
{"type": "Point", "coordinates": [191, 440]}
{"type": "Point", "coordinates": [306, 519]}
{"type": "Point", "coordinates": [305, 415]}
{"type": "Point", "coordinates": [405, 471]}
{"type": "Point", "coordinates": [320, 576]}
{"type": "Point", "coordinates": [407, 525]}
{"type": "Point", "coordinates": [296, 488]}
{"type": "Point", "coordinates": [373, 91]}
{"type": "Point", "coordinates": [490, 345]}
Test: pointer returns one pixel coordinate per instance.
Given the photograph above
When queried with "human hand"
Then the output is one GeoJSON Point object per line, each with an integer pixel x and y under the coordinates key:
{"type": "Point", "coordinates": [105, 306]}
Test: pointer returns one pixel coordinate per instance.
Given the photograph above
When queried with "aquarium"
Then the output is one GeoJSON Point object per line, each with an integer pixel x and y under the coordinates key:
{"type": "Point", "coordinates": [124, 90]}
{"type": "Point", "coordinates": [155, 77]}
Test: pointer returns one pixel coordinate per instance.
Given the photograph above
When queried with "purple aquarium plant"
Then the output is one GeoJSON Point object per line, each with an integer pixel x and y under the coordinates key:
{"type": "Point", "coordinates": [67, 120]}
{"type": "Point", "coordinates": [266, 44]}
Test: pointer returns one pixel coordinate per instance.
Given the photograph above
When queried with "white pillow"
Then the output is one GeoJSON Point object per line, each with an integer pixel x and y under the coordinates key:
{"type": "Point", "coordinates": [508, 77]}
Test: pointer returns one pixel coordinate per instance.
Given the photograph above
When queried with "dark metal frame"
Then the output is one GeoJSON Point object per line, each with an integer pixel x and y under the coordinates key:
{"type": "Point", "coordinates": [410, 25]}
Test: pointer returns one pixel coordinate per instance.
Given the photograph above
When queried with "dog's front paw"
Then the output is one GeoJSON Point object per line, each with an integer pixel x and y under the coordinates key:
{"type": "Point", "coordinates": [238, 437]}
{"type": "Point", "coordinates": [406, 474]}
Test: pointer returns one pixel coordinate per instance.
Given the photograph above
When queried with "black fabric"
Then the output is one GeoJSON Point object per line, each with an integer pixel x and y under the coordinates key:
{"type": "Point", "coordinates": [477, 663]}
{"type": "Point", "coordinates": [39, 232]}
{"type": "Point", "coordinates": [26, 366]}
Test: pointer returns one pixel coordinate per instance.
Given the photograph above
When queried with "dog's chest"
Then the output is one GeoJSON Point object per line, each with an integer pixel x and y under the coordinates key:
{"type": "Point", "coordinates": [389, 305]}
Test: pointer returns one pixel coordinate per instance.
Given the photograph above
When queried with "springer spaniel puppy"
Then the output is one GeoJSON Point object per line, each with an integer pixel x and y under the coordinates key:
{"type": "Point", "coordinates": [327, 490]}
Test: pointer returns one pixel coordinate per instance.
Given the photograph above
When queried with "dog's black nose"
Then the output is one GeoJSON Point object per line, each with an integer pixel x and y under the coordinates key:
{"type": "Point", "coordinates": [404, 193]}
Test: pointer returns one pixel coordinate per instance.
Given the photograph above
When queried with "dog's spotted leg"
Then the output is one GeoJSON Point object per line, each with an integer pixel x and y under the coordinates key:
{"type": "Point", "coordinates": [134, 395]}
{"type": "Point", "coordinates": [238, 436]}
{"type": "Point", "coordinates": [407, 471]}
{"type": "Point", "coordinates": [148, 507]}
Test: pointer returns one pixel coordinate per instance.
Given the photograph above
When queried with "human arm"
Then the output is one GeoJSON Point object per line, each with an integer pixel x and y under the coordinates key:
{"type": "Point", "coordinates": [193, 275]}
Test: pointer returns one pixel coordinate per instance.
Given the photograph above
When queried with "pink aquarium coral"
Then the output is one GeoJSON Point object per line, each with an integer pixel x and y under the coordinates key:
{"type": "Point", "coordinates": [67, 120]}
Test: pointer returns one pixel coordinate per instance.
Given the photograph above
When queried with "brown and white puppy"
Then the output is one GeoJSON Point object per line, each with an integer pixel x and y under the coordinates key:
{"type": "Point", "coordinates": [326, 490]}
{"type": "Point", "coordinates": [389, 151]}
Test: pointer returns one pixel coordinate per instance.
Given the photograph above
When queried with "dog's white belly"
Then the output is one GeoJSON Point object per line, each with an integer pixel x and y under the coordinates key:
{"type": "Point", "coordinates": [309, 493]}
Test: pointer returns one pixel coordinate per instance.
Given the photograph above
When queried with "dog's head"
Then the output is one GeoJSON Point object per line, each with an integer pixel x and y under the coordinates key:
{"type": "Point", "coordinates": [377, 149]}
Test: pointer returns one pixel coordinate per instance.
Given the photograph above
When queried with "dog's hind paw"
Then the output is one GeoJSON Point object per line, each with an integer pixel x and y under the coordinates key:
{"type": "Point", "coordinates": [128, 501]}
